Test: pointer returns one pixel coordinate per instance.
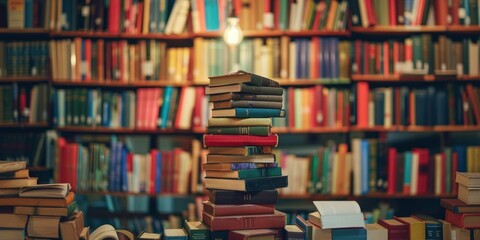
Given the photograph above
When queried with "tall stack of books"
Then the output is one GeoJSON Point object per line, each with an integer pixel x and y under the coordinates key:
{"type": "Point", "coordinates": [241, 170]}
{"type": "Point", "coordinates": [464, 213]}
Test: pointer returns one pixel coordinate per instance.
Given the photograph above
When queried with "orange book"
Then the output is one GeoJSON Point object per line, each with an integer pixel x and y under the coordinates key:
{"type": "Point", "coordinates": [386, 57]}
{"type": "Point", "coordinates": [101, 59]}
{"type": "Point", "coordinates": [362, 104]}
{"type": "Point", "coordinates": [412, 108]}
{"type": "Point", "coordinates": [340, 109]}
{"type": "Point", "coordinates": [291, 107]}
{"type": "Point", "coordinates": [44, 202]}
{"type": "Point", "coordinates": [331, 14]}
{"type": "Point", "coordinates": [342, 158]}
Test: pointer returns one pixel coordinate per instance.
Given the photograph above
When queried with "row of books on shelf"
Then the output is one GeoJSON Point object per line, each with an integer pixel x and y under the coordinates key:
{"type": "Point", "coordinates": [413, 13]}
{"type": "Point", "coordinates": [24, 58]}
{"type": "Point", "coordinates": [24, 104]}
{"type": "Point", "coordinates": [419, 54]}
{"type": "Point", "coordinates": [23, 146]}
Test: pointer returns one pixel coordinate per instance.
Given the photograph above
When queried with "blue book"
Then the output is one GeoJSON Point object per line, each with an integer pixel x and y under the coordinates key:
{"type": "Point", "coordinates": [124, 113]}
{"type": "Point", "coordinates": [333, 57]}
{"type": "Point", "coordinates": [83, 60]}
{"type": "Point", "coordinates": [408, 12]}
{"type": "Point", "coordinates": [441, 111]}
{"type": "Point", "coordinates": [118, 166]}
{"type": "Point", "coordinates": [211, 15]}
{"type": "Point", "coordinates": [158, 180]}
{"type": "Point", "coordinates": [165, 107]}
{"type": "Point", "coordinates": [461, 151]}
{"type": "Point", "coordinates": [28, 13]}
{"type": "Point", "coordinates": [349, 234]}
{"type": "Point", "coordinates": [364, 165]}
{"type": "Point", "coordinates": [90, 113]}
{"type": "Point", "coordinates": [298, 58]}
{"type": "Point", "coordinates": [379, 115]}
{"type": "Point", "coordinates": [106, 109]}
{"type": "Point", "coordinates": [249, 112]}
{"type": "Point", "coordinates": [124, 170]}
{"type": "Point", "coordinates": [407, 176]}
{"type": "Point", "coordinates": [468, 21]}
{"type": "Point", "coordinates": [326, 58]}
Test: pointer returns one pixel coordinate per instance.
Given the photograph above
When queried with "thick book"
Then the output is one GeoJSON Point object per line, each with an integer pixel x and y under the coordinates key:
{"type": "Point", "coordinates": [235, 197]}
{"type": "Point", "coordinates": [242, 151]}
{"type": "Point", "coordinates": [417, 227]}
{"type": "Point", "coordinates": [307, 227]}
{"type": "Point", "coordinates": [234, 166]}
{"type": "Point", "coordinates": [245, 97]}
{"type": "Point", "coordinates": [246, 222]}
{"type": "Point", "coordinates": [337, 214]}
{"type": "Point", "coordinates": [349, 233]}
{"type": "Point", "coordinates": [243, 88]}
{"type": "Point", "coordinates": [257, 234]}
{"type": "Point", "coordinates": [10, 220]}
{"type": "Point", "coordinates": [396, 229]}
{"type": "Point", "coordinates": [469, 179]}
{"type": "Point", "coordinates": [262, 158]}
{"type": "Point", "coordinates": [242, 77]}
{"type": "Point", "coordinates": [245, 173]}
{"type": "Point", "coordinates": [9, 192]}
{"type": "Point", "coordinates": [247, 185]}
{"type": "Point", "coordinates": [18, 183]}
{"type": "Point", "coordinates": [72, 227]}
{"type": "Point", "coordinates": [248, 112]}
{"type": "Point", "coordinates": [44, 202]}
{"type": "Point", "coordinates": [43, 227]}
{"type": "Point", "coordinates": [245, 130]}
{"type": "Point", "coordinates": [239, 122]}
{"type": "Point", "coordinates": [459, 206]}
{"type": "Point", "coordinates": [239, 141]}
{"type": "Point", "coordinates": [237, 209]}
{"type": "Point", "coordinates": [464, 220]}
{"type": "Point", "coordinates": [56, 190]}
{"type": "Point", "coordinates": [433, 227]}
{"type": "Point", "coordinates": [246, 104]}
{"type": "Point", "coordinates": [46, 211]}
{"type": "Point", "coordinates": [12, 233]}
{"type": "Point", "coordinates": [175, 234]}
{"type": "Point", "coordinates": [376, 232]}
{"type": "Point", "coordinates": [470, 195]}
{"type": "Point", "coordinates": [10, 166]}
{"type": "Point", "coordinates": [23, 173]}
{"type": "Point", "coordinates": [196, 230]}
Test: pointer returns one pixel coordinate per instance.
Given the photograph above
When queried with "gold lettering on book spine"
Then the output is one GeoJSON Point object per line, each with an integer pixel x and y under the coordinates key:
{"type": "Point", "coordinates": [244, 130]}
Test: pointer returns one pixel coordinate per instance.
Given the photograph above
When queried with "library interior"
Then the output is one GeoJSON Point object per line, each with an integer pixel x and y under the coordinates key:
{"type": "Point", "coordinates": [240, 119]}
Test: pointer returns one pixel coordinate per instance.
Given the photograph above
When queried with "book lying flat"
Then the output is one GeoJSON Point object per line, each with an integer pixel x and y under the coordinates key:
{"type": "Point", "coordinates": [243, 88]}
{"type": "Point", "coordinates": [10, 166]}
{"type": "Point", "coordinates": [239, 122]}
{"type": "Point", "coordinates": [458, 206]}
{"type": "Point", "coordinates": [245, 97]}
{"type": "Point", "coordinates": [246, 173]}
{"type": "Point", "coordinates": [72, 227]}
{"type": "Point", "coordinates": [18, 182]}
{"type": "Point", "coordinates": [248, 112]}
{"type": "Point", "coordinates": [261, 158]}
{"type": "Point", "coordinates": [175, 234]}
{"type": "Point", "coordinates": [242, 151]}
{"type": "Point", "coordinates": [44, 202]}
{"type": "Point", "coordinates": [468, 179]}
{"type": "Point", "coordinates": [470, 195]}
{"type": "Point", "coordinates": [242, 77]}
{"type": "Point", "coordinates": [247, 185]}
{"type": "Point", "coordinates": [10, 220]}
{"type": "Point", "coordinates": [237, 209]}
{"type": "Point", "coordinates": [46, 211]}
{"type": "Point", "coordinates": [464, 220]}
{"type": "Point", "coordinates": [242, 222]}
{"type": "Point", "coordinates": [234, 166]}
{"type": "Point", "coordinates": [235, 197]}
{"type": "Point", "coordinates": [22, 173]}
{"type": "Point", "coordinates": [196, 230]}
{"type": "Point", "coordinates": [257, 234]}
{"type": "Point", "coordinates": [239, 140]}
{"type": "Point", "coordinates": [9, 192]}
{"type": "Point", "coordinates": [245, 130]}
{"type": "Point", "coordinates": [246, 104]}
{"type": "Point", "coordinates": [56, 190]}
{"type": "Point", "coordinates": [337, 214]}
{"type": "Point", "coordinates": [43, 227]}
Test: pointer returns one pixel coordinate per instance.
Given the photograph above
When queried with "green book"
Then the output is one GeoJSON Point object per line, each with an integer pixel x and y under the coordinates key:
{"type": "Point", "coordinates": [196, 230]}
{"type": "Point", "coordinates": [313, 174]}
{"type": "Point", "coordinates": [247, 130]}
{"type": "Point", "coordinates": [246, 173]}
{"type": "Point", "coordinates": [448, 170]}
{"type": "Point", "coordinates": [417, 52]}
{"type": "Point", "coordinates": [326, 169]}
{"type": "Point", "coordinates": [323, 20]}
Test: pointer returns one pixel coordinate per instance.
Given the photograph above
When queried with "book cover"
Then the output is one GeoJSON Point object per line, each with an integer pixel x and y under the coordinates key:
{"type": "Point", "coordinates": [433, 228]}
{"type": "Point", "coordinates": [246, 104]}
{"type": "Point", "coordinates": [196, 230]}
{"type": "Point", "coordinates": [9, 220]}
{"type": "Point", "coordinates": [247, 222]}
{"type": "Point", "coordinates": [245, 173]}
{"type": "Point", "coordinates": [464, 220]}
{"type": "Point", "coordinates": [231, 197]}
{"type": "Point", "coordinates": [245, 130]}
{"type": "Point", "coordinates": [417, 227]}
{"type": "Point", "coordinates": [243, 151]}
{"type": "Point", "coordinates": [349, 233]}
{"type": "Point", "coordinates": [376, 232]}
{"type": "Point", "coordinates": [293, 232]}
{"type": "Point", "coordinates": [234, 166]}
{"type": "Point", "coordinates": [239, 122]}
{"type": "Point", "coordinates": [247, 185]}
{"type": "Point", "coordinates": [248, 112]}
{"type": "Point", "coordinates": [237, 209]}
{"type": "Point", "coordinates": [239, 141]}
{"type": "Point", "coordinates": [43, 227]}
{"type": "Point", "coordinates": [242, 77]}
{"type": "Point", "coordinates": [243, 88]}
{"type": "Point", "coordinates": [396, 229]}
{"type": "Point", "coordinates": [262, 158]}
{"type": "Point", "coordinates": [458, 206]}
{"type": "Point", "coordinates": [252, 234]}
{"type": "Point", "coordinates": [44, 202]}
{"type": "Point", "coordinates": [244, 97]}
{"type": "Point", "coordinates": [46, 211]}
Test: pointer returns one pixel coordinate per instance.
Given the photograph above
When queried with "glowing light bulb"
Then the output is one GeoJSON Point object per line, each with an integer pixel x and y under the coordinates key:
{"type": "Point", "coordinates": [232, 35]}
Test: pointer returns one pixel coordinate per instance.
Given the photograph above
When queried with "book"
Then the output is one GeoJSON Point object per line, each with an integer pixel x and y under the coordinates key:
{"type": "Point", "coordinates": [349, 233]}
{"type": "Point", "coordinates": [247, 222]}
{"type": "Point", "coordinates": [248, 112]}
{"type": "Point", "coordinates": [246, 104]}
{"type": "Point", "coordinates": [337, 214]}
{"type": "Point", "coordinates": [16, 14]}
{"type": "Point", "coordinates": [293, 232]}
{"type": "Point", "coordinates": [15, 174]}
{"type": "Point", "coordinates": [234, 166]}
{"type": "Point", "coordinates": [237, 209]}
{"type": "Point", "coordinates": [468, 195]}
{"type": "Point", "coordinates": [239, 141]}
{"type": "Point", "coordinates": [243, 97]}
{"type": "Point", "coordinates": [46, 211]}
{"type": "Point", "coordinates": [13, 233]}
{"type": "Point", "coordinates": [11, 166]}
{"type": "Point", "coordinates": [376, 232]}
{"type": "Point", "coordinates": [242, 77]}
{"type": "Point", "coordinates": [57, 190]}
{"type": "Point", "coordinates": [196, 230]}
{"type": "Point", "coordinates": [243, 88]}
{"type": "Point", "coordinates": [231, 197]}
{"type": "Point", "coordinates": [13, 221]}
{"type": "Point", "coordinates": [9, 192]}
{"type": "Point", "coordinates": [105, 231]}
{"type": "Point", "coordinates": [396, 229]}
{"type": "Point", "coordinates": [459, 206]}
{"type": "Point", "coordinates": [85, 234]}
{"type": "Point", "coordinates": [175, 234]}
{"type": "Point", "coordinates": [468, 179]}
{"type": "Point", "coordinates": [242, 151]}
{"type": "Point", "coordinates": [72, 227]}
{"type": "Point", "coordinates": [262, 158]}
{"type": "Point", "coordinates": [247, 130]}
{"type": "Point", "coordinates": [464, 220]}
{"type": "Point", "coordinates": [433, 227]}
{"type": "Point", "coordinates": [239, 122]}
{"type": "Point", "coordinates": [417, 227]}
{"type": "Point", "coordinates": [149, 236]}
{"type": "Point", "coordinates": [18, 183]}
{"type": "Point", "coordinates": [247, 185]}
{"type": "Point", "coordinates": [266, 234]}
{"type": "Point", "coordinates": [307, 227]}
{"type": "Point", "coordinates": [245, 173]}
{"type": "Point", "coordinates": [44, 202]}
{"type": "Point", "coordinates": [43, 227]}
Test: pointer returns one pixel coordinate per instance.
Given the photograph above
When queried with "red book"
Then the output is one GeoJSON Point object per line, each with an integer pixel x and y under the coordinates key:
{"type": "Point", "coordinates": [317, 101]}
{"type": "Point", "coordinates": [114, 16]}
{"type": "Point", "coordinates": [239, 141]}
{"type": "Point", "coordinates": [396, 229]}
{"type": "Point", "coordinates": [421, 10]}
{"type": "Point", "coordinates": [386, 57]}
{"type": "Point", "coordinates": [241, 222]}
{"type": "Point", "coordinates": [314, 63]}
{"type": "Point", "coordinates": [197, 109]}
{"type": "Point", "coordinates": [366, 49]}
{"type": "Point", "coordinates": [392, 173]}
{"type": "Point", "coordinates": [396, 57]}
{"type": "Point", "coordinates": [72, 163]}
{"type": "Point", "coordinates": [129, 168]}
{"type": "Point", "coordinates": [139, 21]}
{"type": "Point", "coordinates": [267, 8]}
{"type": "Point", "coordinates": [423, 165]}
{"type": "Point", "coordinates": [153, 170]}
{"type": "Point", "coordinates": [276, 14]}
{"type": "Point", "coordinates": [108, 61]}
{"type": "Point", "coordinates": [454, 12]}
{"type": "Point", "coordinates": [463, 220]}
{"type": "Point", "coordinates": [372, 19]}
{"type": "Point", "coordinates": [251, 234]}
{"type": "Point", "coordinates": [237, 209]}
{"type": "Point", "coordinates": [362, 104]}
{"type": "Point", "coordinates": [101, 59]}
{"type": "Point", "coordinates": [474, 102]}
{"type": "Point", "coordinates": [454, 172]}
{"type": "Point", "coordinates": [441, 12]}
{"type": "Point", "coordinates": [377, 53]}
{"type": "Point", "coordinates": [324, 106]}
{"type": "Point", "coordinates": [291, 107]}
{"type": "Point", "coordinates": [121, 66]}
{"type": "Point", "coordinates": [392, 12]}
{"type": "Point", "coordinates": [22, 101]}
{"type": "Point", "coordinates": [340, 110]}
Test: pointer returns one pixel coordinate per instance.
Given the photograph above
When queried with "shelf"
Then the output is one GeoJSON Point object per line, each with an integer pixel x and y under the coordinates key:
{"type": "Point", "coordinates": [117, 84]}
{"type": "Point", "coordinates": [37, 32]}
{"type": "Point", "coordinates": [379, 195]}
{"type": "Point", "coordinates": [26, 79]}
{"type": "Point", "coordinates": [127, 194]}
{"type": "Point", "coordinates": [16, 125]}
{"type": "Point", "coordinates": [398, 30]}
{"type": "Point", "coordinates": [313, 130]}
{"type": "Point", "coordinates": [456, 128]}
{"type": "Point", "coordinates": [416, 129]}
{"type": "Point", "coordinates": [464, 29]}
{"type": "Point", "coordinates": [318, 33]}
{"type": "Point", "coordinates": [310, 82]}
{"type": "Point", "coordinates": [402, 78]}
{"type": "Point", "coordinates": [107, 130]}
{"type": "Point", "coordinates": [84, 34]}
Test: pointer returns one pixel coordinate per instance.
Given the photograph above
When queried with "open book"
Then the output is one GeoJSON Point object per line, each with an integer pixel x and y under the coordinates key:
{"type": "Point", "coordinates": [57, 190]}
{"type": "Point", "coordinates": [337, 214]}
{"type": "Point", "coordinates": [108, 232]}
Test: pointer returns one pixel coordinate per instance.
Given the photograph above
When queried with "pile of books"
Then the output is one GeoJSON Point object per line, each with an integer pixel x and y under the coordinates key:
{"type": "Point", "coordinates": [37, 211]}
{"type": "Point", "coordinates": [464, 213]}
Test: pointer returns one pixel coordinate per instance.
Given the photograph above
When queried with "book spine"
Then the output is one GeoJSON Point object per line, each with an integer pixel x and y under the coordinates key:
{"type": "Point", "coordinates": [244, 222]}
{"type": "Point", "coordinates": [247, 130]}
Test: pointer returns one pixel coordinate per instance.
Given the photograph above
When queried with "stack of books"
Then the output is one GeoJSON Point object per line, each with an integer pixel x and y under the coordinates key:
{"type": "Point", "coordinates": [464, 213]}
{"type": "Point", "coordinates": [241, 170]}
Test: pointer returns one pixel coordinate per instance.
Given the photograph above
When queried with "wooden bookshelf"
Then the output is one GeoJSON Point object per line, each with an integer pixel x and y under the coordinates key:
{"type": "Point", "coordinates": [26, 79]}
{"type": "Point", "coordinates": [473, 30]}
{"type": "Point", "coordinates": [318, 130]}
{"type": "Point", "coordinates": [126, 131]}
{"type": "Point", "coordinates": [15, 125]}
{"type": "Point", "coordinates": [309, 82]}
{"type": "Point", "coordinates": [398, 30]}
{"type": "Point", "coordinates": [118, 84]}
{"type": "Point", "coordinates": [128, 194]}
{"type": "Point", "coordinates": [28, 32]}
{"type": "Point", "coordinates": [407, 78]}
{"type": "Point", "coordinates": [318, 33]}
{"type": "Point", "coordinates": [377, 195]}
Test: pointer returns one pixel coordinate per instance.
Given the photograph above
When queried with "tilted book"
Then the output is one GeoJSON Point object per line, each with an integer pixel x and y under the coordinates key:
{"type": "Point", "coordinates": [337, 214]}
{"type": "Point", "coordinates": [247, 185]}
{"type": "Point", "coordinates": [458, 206]}
{"type": "Point", "coordinates": [262, 221]}
{"type": "Point", "coordinates": [232, 197]}
{"type": "Point", "coordinates": [242, 77]}
{"type": "Point", "coordinates": [237, 209]}
{"type": "Point", "coordinates": [239, 141]}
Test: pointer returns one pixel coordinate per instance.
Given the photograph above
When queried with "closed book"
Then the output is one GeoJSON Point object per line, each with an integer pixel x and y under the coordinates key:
{"type": "Point", "coordinates": [219, 235]}
{"type": "Point", "coordinates": [44, 202]}
{"type": "Point", "coordinates": [238, 122]}
{"type": "Point", "coordinates": [242, 77]}
{"type": "Point", "coordinates": [246, 104]}
{"type": "Point", "coordinates": [337, 214]}
{"type": "Point", "coordinates": [464, 220]}
{"type": "Point", "coordinates": [43, 227]}
{"type": "Point", "coordinates": [433, 227]}
{"type": "Point", "coordinates": [230, 197]}
{"type": "Point", "coordinates": [72, 227]}
{"type": "Point", "coordinates": [243, 151]}
{"type": "Point", "coordinates": [196, 230]}
{"type": "Point", "coordinates": [245, 174]}
{"type": "Point", "coordinates": [246, 130]}
{"type": "Point", "coordinates": [175, 234]}
{"type": "Point", "coordinates": [293, 232]}
{"type": "Point", "coordinates": [248, 112]}
{"type": "Point", "coordinates": [247, 185]}
{"type": "Point", "coordinates": [238, 141]}
{"type": "Point", "coordinates": [244, 97]}
{"type": "Point", "coordinates": [234, 166]}
{"type": "Point", "coordinates": [9, 220]}
{"type": "Point", "coordinates": [58, 190]}
{"type": "Point", "coordinates": [263, 158]}
{"type": "Point", "coordinates": [14, 234]}
{"type": "Point", "coordinates": [417, 227]}
{"type": "Point", "coordinates": [237, 209]}
{"type": "Point", "coordinates": [10, 166]}
{"type": "Point", "coordinates": [9, 192]}
{"type": "Point", "coordinates": [376, 232]}
{"type": "Point", "coordinates": [46, 211]}
{"type": "Point", "coordinates": [17, 183]}
{"type": "Point", "coordinates": [276, 220]}
{"type": "Point", "coordinates": [263, 234]}
{"type": "Point", "coordinates": [396, 229]}
{"type": "Point", "coordinates": [468, 179]}
{"type": "Point", "coordinates": [152, 236]}
{"type": "Point", "coordinates": [459, 206]}
{"type": "Point", "coordinates": [349, 234]}
{"type": "Point", "coordinates": [243, 88]}
{"type": "Point", "coordinates": [15, 174]}
{"type": "Point", "coordinates": [307, 227]}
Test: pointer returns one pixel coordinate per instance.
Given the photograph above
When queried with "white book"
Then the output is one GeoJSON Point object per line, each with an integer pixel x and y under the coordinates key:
{"type": "Point", "coordinates": [414, 174]}
{"type": "Point", "coordinates": [195, 16]}
{"type": "Point", "coordinates": [293, 12]}
{"type": "Point", "coordinates": [337, 214]}
{"type": "Point", "coordinates": [181, 19]}
{"type": "Point", "coordinates": [292, 50]}
{"type": "Point", "coordinates": [473, 58]}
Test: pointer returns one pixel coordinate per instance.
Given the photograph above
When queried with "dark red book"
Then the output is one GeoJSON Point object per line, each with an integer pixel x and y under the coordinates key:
{"type": "Point", "coordinates": [239, 141]}
{"type": "Point", "coordinates": [458, 206]}
{"type": "Point", "coordinates": [396, 229]}
{"type": "Point", "coordinates": [250, 234]}
{"type": "Point", "coordinates": [235, 197]}
{"type": "Point", "coordinates": [276, 221]}
{"type": "Point", "coordinates": [372, 19]}
{"type": "Point", "coordinates": [454, 12]}
{"type": "Point", "coordinates": [362, 104]}
{"type": "Point", "coordinates": [454, 173]}
{"type": "Point", "coordinates": [233, 209]}
{"type": "Point", "coordinates": [291, 107]}
{"type": "Point", "coordinates": [441, 12]}
{"type": "Point", "coordinates": [463, 220]}
{"type": "Point", "coordinates": [392, 173]}
{"type": "Point", "coordinates": [423, 163]}
{"type": "Point", "coordinates": [474, 102]}
{"type": "Point", "coordinates": [392, 12]}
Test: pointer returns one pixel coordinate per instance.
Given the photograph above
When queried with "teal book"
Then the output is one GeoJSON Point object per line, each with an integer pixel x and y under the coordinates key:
{"type": "Point", "coordinates": [249, 112]}
{"type": "Point", "coordinates": [196, 230]}
{"type": "Point", "coordinates": [219, 235]}
{"type": "Point", "coordinates": [408, 172]}
{"type": "Point", "coordinates": [448, 170]}
{"type": "Point", "coordinates": [349, 234]}
{"type": "Point", "coordinates": [246, 173]}
{"type": "Point", "coordinates": [211, 15]}
{"type": "Point", "coordinates": [165, 107]}
{"type": "Point", "coordinates": [326, 168]}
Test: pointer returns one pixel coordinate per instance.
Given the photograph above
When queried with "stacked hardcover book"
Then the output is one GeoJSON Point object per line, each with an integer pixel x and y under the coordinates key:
{"type": "Point", "coordinates": [241, 171]}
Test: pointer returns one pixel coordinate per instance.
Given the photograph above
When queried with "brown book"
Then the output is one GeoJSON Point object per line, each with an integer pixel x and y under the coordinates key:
{"type": "Point", "coordinates": [276, 220]}
{"type": "Point", "coordinates": [243, 88]}
{"type": "Point", "coordinates": [46, 211]}
{"type": "Point", "coordinates": [230, 197]}
{"type": "Point", "coordinates": [44, 202]}
{"type": "Point", "coordinates": [468, 179]}
{"type": "Point", "coordinates": [9, 192]}
{"type": "Point", "coordinates": [23, 173]}
{"type": "Point", "coordinates": [12, 233]}
{"type": "Point", "coordinates": [469, 195]}
{"type": "Point", "coordinates": [72, 228]}
{"type": "Point", "coordinates": [243, 151]}
{"type": "Point", "coordinates": [240, 209]}
{"type": "Point", "coordinates": [246, 104]}
{"type": "Point", "coordinates": [18, 183]}
{"type": "Point", "coordinates": [262, 158]}
{"type": "Point", "coordinates": [258, 234]}
{"type": "Point", "coordinates": [43, 227]}
{"type": "Point", "coordinates": [10, 166]}
{"type": "Point", "coordinates": [242, 77]}
{"type": "Point", "coordinates": [458, 206]}
{"type": "Point", "coordinates": [244, 97]}
{"type": "Point", "coordinates": [10, 220]}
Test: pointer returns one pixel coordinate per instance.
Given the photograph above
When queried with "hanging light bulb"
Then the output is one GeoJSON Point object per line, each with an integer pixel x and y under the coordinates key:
{"type": "Point", "coordinates": [232, 35]}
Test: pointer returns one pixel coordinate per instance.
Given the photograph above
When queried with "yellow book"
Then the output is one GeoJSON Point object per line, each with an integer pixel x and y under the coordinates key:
{"type": "Point", "coordinates": [199, 75]}
{"type": "Point", "coordinates": [172, 58]}
{"type": "Point", "coordinates": [146, 16]}
{"type": "Point", "coordinates": [331, 14]}
{"type": "Point", "coordinates": [335, 173]}
{"type": "Point", "coordinates": [417, 227]}
{"type": "Point", "coordinates": [470, 159]}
